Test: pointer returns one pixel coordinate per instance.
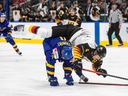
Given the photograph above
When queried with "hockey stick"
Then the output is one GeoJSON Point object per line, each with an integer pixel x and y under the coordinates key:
{"type": "Point", "coordinates": [105, 74]}
{"type": "Point", "coordinates": [111, 84]}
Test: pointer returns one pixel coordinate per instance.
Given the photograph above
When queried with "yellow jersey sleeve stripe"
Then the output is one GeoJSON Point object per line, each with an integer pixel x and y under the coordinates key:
{"type": "Point", "coordinates": [77, 56]}
{"type": "Point", "coordinates": [50, 73]}
{"type": "Point", "coordinates": [76, 49]}
{"type": "Point", "coordinates": [76, 52]}
{"type": "Point", "coordinates": [49, 65]}
{"type": "Point", "coordinates": [68, 68]}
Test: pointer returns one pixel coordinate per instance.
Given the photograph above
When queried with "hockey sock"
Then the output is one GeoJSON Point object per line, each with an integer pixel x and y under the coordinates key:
{"type": "Point", "coordinates": [16, 49]}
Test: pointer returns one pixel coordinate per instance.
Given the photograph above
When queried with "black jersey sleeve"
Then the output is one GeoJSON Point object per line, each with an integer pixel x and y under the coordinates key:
{"type": "Point", "coordinates": [64, 30]}
{"type": "Point", "coordinates": [86, 50]}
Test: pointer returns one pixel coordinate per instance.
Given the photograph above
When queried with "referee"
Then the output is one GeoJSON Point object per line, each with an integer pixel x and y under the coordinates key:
{"type": "Point", "coordinates": [115, 21]}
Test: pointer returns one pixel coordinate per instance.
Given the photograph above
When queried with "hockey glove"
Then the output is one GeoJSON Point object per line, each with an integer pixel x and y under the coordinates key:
{"type": "Point", "coordinates": [102, 71]}
{"type": "Point", "coordinates": [77, 65]}
{"type": "Point", "coordinates": [97, 65]}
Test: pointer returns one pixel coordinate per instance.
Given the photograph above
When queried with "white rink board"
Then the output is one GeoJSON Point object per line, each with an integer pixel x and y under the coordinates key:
{"type": "Point", "coordinates": [26, 34]}
{"type": "Point", "coordinates": [90, 27]}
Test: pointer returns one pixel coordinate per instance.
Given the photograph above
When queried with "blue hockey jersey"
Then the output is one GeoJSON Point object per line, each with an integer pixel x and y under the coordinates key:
{"type": "Point", "coordinates": [53, 47]}
{"type": "Point", "coordinates": [4, 27]}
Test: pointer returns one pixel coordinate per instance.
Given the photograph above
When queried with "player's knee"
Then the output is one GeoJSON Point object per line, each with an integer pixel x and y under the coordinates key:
{"type": "Point", "coordinates": [10, 40]}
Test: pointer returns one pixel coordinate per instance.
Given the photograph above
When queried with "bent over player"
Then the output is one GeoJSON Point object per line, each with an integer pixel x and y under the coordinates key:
{"type": "Point", "coordinates": [5, 30]}
{"type": "Point", "coordinates": [84, 46]}
{"type": "Point", "coordinates": [61, 50]}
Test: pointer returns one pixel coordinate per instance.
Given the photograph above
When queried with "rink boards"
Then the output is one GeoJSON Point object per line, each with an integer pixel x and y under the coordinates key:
{"type": "Point", "coordinates": [98, 31]}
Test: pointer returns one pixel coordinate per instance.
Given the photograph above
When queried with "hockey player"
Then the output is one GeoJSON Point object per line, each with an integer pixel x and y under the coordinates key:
{"type": "Point", "coordinates": [5, 30]}
{"type": "Point", "coordinates": [83, 45]}
{"type": "Point", "coordinates": [61, 50]}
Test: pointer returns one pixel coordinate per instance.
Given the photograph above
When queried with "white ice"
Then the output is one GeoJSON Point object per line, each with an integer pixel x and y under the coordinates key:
{"type": "Point", "coordinates": [26, 75]}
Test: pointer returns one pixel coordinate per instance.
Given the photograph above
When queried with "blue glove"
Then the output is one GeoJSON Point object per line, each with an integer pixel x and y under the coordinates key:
{"type": "Point", "coordinates": [53, 81]}
{"type": "Point", "coordinates": [102, 71]}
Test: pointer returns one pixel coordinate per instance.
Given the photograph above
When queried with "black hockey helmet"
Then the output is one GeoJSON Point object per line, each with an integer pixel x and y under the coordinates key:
{"type": "Point", "coordinates": [101, 51]}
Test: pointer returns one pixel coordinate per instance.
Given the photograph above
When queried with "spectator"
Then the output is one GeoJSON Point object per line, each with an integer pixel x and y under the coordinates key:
{"type": "Point", "coordinates": [16, 13]}
{"type": "Point", "coordinates": [88, 9]}
{"type": "Point", "coordinates": [15, 2]}
{"type": "Point", "coordinates": [1, 8]}
{"type": "Point", "coordinates": [125, 15]}
{"type": "Point", "coordinates": [119, 1]}
{"type": "Point", "coordinates": [103, 6]}
{"type": "Point", "coordinates": [95, 13]}
{"type": "Point", "coordinates": [53, 12]}
{"type": "Point", "coordinates": [43, 9]}
{"type": "Point", "coordinates": [30, 13]}
{"type": "Point", "coordinates": [38, 17]}
{"type": "Point", "coordinates": [62, 13]}
{"type": "Point", "coordinates": [31, 10]}
{"type": "Point", "coordinates": [74, 18]}
{"type": "Point", "coordinates": [110, 3]}
{"type": "Point", "coordinates": [124, 9]}
{"type": "Point", "coordinates": [79, 10]}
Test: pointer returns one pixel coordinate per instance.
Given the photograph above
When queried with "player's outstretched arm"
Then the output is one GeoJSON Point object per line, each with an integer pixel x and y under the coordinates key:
{"type": "Point", "coordinates": [97, 67]}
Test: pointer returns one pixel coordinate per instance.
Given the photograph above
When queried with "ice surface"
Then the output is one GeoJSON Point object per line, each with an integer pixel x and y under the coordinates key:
{"type": "Point", "coordinates": [26, 75]}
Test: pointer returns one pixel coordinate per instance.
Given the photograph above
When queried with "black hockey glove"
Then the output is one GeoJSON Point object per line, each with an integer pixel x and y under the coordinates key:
{"type": "Point", "coordinates": [97, 64]}
{"type": "Point", "coordinates": [77, 65]}
{"type": "Point", "coordinates": [102, 71]}
{"type": "Point", "coordinates": [18, 27]}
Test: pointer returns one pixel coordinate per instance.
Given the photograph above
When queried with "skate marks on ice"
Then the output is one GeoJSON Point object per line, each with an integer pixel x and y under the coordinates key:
{"type": "Point", "coordinates": [25, 75]}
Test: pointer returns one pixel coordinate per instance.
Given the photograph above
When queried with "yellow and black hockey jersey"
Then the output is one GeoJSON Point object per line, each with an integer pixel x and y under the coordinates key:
{"type": "Point", "coordinates": [84, 51]}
